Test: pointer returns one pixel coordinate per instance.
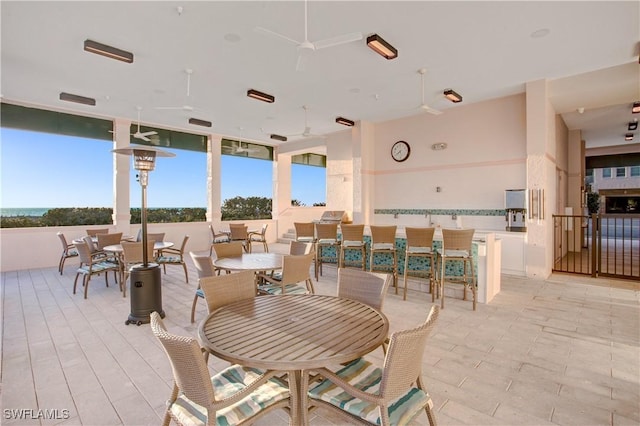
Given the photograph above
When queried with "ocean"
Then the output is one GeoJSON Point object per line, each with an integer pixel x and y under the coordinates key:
{"type": "Point", "coordinates": [23, 211]}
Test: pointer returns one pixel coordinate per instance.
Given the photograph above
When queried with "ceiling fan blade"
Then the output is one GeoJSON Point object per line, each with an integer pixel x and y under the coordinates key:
{"type": "Point", "coordinates": [275, 34]}
{"type": "Point", "coordinates": [338, 40]}
{"type": "Point", "coordinates": [430, 110]}
{"type": "Point", "coordinates": [141, 136]}
{"type": "Point", "coordinates": [150, 133]}
{"type": "Point", "coordinates": [303, 58]}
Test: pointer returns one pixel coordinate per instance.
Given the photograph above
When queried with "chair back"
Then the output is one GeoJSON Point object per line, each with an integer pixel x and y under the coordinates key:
{"type": "Point", "coordinates": [366, 287]}
{"type": "Point", "coordinates": [84, 251]}
{"type": "Point", "coordinates": [108, 239]}
{"type": "Point", "coordinates": [352, 232]}
{"type": "Point", "coordinates": [90, 244]}
{"type": "Point", "coordinates": [132, 251]}
{"type": "Point", "coordinates": [232, 249]}
{"type": "Point", "coordinates": [190, 371]}
{"type": "Point", "coordinates": [184, 244]}
{"type": "Point", "coordinates": [304, 230]}
{"type": "Point", "coordinates": [383, 234]}
{"type": "Point", "coordinates": [95, 231]}
{"type": "Point", "coordinates": [326, 231]}
{"type": "Point", "coordinates": [238, 231]}
{"type": "Point", "coordinates": [457, 239]}
{"type": "Point", "coordinates": [220, 290]}
{"type": "Point", "coordinates": [420, 237]}
{"type": "Point", "coordinates": [403, 362]}
{"type": "Point", "coordinates": [155, 236]}
{"type": "Point", "coordinates": [204, 264]}
{"type": "Point", "coordinates": [295, 268]}
{"type": "Point", "coordinates": [63, 241]}
{"type": "Point", "coordinates": [299, 247]}
{"type": "Point", "coordinates": [263, 230]}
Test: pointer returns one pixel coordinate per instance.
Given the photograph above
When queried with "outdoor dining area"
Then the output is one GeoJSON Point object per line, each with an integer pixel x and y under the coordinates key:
{"type": "Point", "coordinates": [537, 354]}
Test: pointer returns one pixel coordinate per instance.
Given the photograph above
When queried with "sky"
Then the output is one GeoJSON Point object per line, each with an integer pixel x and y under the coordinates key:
{"type": "Point", "coordinates": [47, 170]}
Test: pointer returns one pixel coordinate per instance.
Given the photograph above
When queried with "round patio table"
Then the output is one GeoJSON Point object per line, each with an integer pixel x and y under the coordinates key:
{"type": "Point", "coordinates": [250, 262]}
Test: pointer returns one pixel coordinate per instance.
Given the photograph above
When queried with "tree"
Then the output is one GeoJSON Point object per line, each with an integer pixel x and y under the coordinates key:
{"type": "Point", "coordinates": [593, 202]}
{"type": "Point", "coordinates": [246, 208]}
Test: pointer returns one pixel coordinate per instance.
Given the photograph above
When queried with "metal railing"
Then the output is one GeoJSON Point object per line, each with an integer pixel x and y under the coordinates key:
{"type": "Point", "coordinates": [597, 245]}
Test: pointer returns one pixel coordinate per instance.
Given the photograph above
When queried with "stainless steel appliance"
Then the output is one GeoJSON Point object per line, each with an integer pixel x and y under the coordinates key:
{"type": "Point", "coordinates": [515, 205]}
{"type": "Point", "coordinates": [333, 216]}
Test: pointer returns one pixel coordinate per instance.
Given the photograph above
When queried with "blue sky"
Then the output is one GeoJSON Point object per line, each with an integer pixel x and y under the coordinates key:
{"type": "Point", "coordinates": [46, 170]}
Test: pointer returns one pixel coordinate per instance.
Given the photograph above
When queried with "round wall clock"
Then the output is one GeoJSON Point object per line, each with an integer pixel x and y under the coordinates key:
{"type": "Point", "coordinates": [400, 151]}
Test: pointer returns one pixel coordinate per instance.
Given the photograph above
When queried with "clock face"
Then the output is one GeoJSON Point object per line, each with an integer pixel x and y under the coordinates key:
{"type": "Point", "coordinates": [400, 151]}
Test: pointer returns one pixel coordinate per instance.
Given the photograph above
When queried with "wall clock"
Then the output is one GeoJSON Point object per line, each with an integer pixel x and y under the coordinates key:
{"type": "Point", "coordinates": [400, 151]}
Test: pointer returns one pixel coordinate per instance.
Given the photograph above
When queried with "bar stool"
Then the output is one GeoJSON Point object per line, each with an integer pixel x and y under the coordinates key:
{"type": "Point", "coordinates": [326, 237]}
{"type": "Point", "coordinates": [420, 245]}
{"type": "Point", "coordinates": [383, 241]}
{"type": "Point", "coordinates": [456, 246]}
{"type": "Point", "coordinates": [353, 240]}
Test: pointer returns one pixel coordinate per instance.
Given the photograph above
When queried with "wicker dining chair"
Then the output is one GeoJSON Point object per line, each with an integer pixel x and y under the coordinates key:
{"type": "Point", "coordinates": [295, 269]}
{"type": "Point", "coordinates": [220, 290]}
{"type": "Point", "coordinates": [217, 237]}
{"type": "Point", "coordinates": [174, 256]}
{"type": "Point", "coordinates": [204, 267]}
{"type": "Point", "coordinates": [353, 240]}
{"type": "Point", "coordinates": [91, 264]}
{"type": "Point", "coordinates": [68, 250]}
{"type": "Point", "coordinates": [364, 286]}
{"type": "Point", "coordinates": [231, 249]}
{"type": "Point", "coordinates": [93, 232]}
{"type": "Point", "coordinates": [305, 232]}
{"type": "Point", "coordinates": [457, 247]}
{"type": "Point", "coordinates": [383, 241]}
{"type": "Point", "coordinates": [132, 255]}
{"type": "Point", "coordinates": [362, 393]}
{"type": "Point", "coordinates": [420, 245]}
{"type": "Point", "coordinates": [239, 232]}
{"type": "Point", "coordinates": [235, 396]}
{"type": "Point", "coordinates": [326, 238]}
{"type": "Point", "coordinates": [108, 240]}
{"type": "Point", "coordinates": [259, 237]}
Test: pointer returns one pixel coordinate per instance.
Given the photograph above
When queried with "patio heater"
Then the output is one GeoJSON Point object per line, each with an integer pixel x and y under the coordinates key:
{"type": "Point", "coordinates": [145, 279]}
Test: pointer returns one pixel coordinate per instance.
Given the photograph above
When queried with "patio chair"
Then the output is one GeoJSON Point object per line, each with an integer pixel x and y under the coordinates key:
{"type": "Point", "coordinates": [259, 237]}
{"type": "Point", "coordinates": [305, 232]}
{"type": "Point", "coordinates": [295, 269]}
{"type": "Point", "coordinates": [132, 255]}
{"type": "Point", "coordinates": [91, 264]}
{"type": "Point", "coordinates": [456, 246]}
{"type": "Point", "coordinates": [234, 396]}
{"type": "Point", "coordinates": [239, 233]}
{"type": "Point", "coordinates": [174, 256]}
{"type": "Point", "coordinates": [366, 287]}
{"type": "Point", "coordinates": [231, 249]}
{"type": "Point", "coordinates": [108, 240]}
{"type": "Point", "coordinates": [383, 241]}
{"type": "Point", "coordinates": [220, 290]}
{"type": "Point", "coordinates": [327, 237]}
{"type": "Point", "coordinates": [353, 240]}
{"type": "Point", "coordinates": [68, 251]}
{"type": "Point", "coordinates": [299, 248]}
{"type": "Point", "coordinates": [217, 237]}
{"type": "Point", "coordinates": [205, 268]}
{"type": "Point", "coordinates": [420, 245]}
{"type": "Point", "coordinates": [93, 232]}
{"type": "Point", "coordinates": [365, 394]}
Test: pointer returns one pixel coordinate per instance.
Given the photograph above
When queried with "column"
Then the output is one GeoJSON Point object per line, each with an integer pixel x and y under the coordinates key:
{"type": "Point", "coordinates": [214, 185]}
{"type": "Point", "coordinates": [363, 136]}
{"type": "Point", "coordinates": [121, 177]}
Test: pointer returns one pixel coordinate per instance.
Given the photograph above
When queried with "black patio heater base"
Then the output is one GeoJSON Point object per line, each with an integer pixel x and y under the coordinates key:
{"type": "Point", "coordinates": [145, 293]}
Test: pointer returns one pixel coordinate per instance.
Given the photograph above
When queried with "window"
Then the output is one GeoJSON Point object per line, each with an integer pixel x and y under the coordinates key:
{"type": "Point", "coordinates": [634, 171]}
{"type": "Point", "coordinates": [621, 172]}
{"type": "Point", "coordinates": [308, 185]}
{"type": "Point", "coordinates": [606, 173]}
{"type": "Point", "coordinates": [246, 187]}
{"type": "Point", "coordinates": [589, 176]}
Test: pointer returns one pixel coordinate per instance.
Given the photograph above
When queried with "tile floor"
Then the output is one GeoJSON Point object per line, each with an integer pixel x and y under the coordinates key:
{"type": "Point", "coordinates": [561, 351]}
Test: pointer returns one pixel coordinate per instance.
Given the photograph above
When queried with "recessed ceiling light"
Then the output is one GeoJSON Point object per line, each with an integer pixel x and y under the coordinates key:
{"type": "Point", "coordinates": [382, 47]}
{"type": "Point", "coordinates": [69, 97]}
{"type": "Point", "coordinates": [628, 137]}
{"type": "Point", "coordinates": [636, 108]}
{"type": "Point", "coordinates": [264, 97]}
{"type": "Point", "coordinates": [198, 122]}
{"type": "Point", "coordinates": [108, 51]}
{"type": "Point", "coordinates": [278, 137]}
{"type": "Point", "coordinates": [542, 32]}
{"type": "Point", "coordinates": [633, 125]}
{"type": "Point", "coordinates": [452, 96]}
{"type": "Point", "coordinates": [345, 121]}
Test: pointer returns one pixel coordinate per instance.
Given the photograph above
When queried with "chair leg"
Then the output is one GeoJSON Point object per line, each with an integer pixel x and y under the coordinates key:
{"type": "Point", "coordinates": [406, 272]}
{"type": "Point", "coordinates": [473, 283]}
{"type": "Point", "coordinates": [193, 308]}
{"type": "Point", "coordinates": [431, 279]}
{"type": "Point", "coordinates": [87, 278]}
{"type": "Point", "coordinates": [464, 280]}
{"type": "Point", "coordinates": [186, 274]}
{"type": "Point", "coordinates": [395, 270]}
{"type": "Point", "coordinates": [442, 261]}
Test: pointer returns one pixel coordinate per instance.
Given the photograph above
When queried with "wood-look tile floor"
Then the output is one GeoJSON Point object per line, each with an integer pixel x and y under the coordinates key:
{"type": "Point", "coordinates": [561, 351]}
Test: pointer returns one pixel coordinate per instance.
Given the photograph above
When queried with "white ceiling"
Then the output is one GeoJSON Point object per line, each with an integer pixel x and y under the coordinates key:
{"type": "Point", "coordinates": [483, 50]}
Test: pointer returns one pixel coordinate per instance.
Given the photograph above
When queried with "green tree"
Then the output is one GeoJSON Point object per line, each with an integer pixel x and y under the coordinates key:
{"type": "Point", "coordinates": [246, 208]}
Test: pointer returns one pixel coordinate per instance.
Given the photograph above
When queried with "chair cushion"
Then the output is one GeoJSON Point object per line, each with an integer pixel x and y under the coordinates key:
{"type": "Point", "coordinates": [305, 239]}
{"type": "Point", "coordinates": [96, 268]}
{"type": "Point", "coordinates": [72, 252]}
{"type": "Point", "coordinates": [366, 377]}
{"type": "Point", "coordinates": [200, 293]}
{"type": "Point", "coordinates": [327, 241]}
{"type": "Point", "coordinates": [347, 243]}
{"type": "Point", "coordinates": [227, 383]}
{"type": "Point", "coordinates": [454, 253]}
{"type": "Point", "coordinates": [419, 250]}
{"type": "Point", "coordinates": [383, 246]}
{"type": "Point", "coordinates": [288, 289]}
{"type": "Point", "coordinates": [169, 259]}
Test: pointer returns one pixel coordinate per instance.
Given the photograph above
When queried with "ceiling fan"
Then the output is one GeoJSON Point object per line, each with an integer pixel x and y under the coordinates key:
{"type": "Point", "coordinates": [423, 105]}
{"type": "Point", "coordinates": [185, 107]}
{"type": "Point", "coordinates": [238, 147]}
{"type": "Point", "coordinates": [307, 129]}
{"type": "Point", "coordinates": [142, 135]}
{"type": "Point", "coordinates": [306, 47]}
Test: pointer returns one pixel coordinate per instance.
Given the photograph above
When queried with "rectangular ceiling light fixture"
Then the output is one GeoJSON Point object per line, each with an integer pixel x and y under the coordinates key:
{"type": "Point", "coordinates": [108, 51]}
{"type": "Point", "coordinates": [633, 125]}
{"type": "Point", "coordinates": [382, 47]}
{"type": "Point", "coordinates": [264, 97]}
{"type": "Point", "coordinates": [344, 121]}
{"type": "Point", "coordinates": [198, 122]}
{"type": "Point", "coordinates": [69, 97]}
{"type": "Point", "coordinates": [452, 96]}
{"type": "Point", "coordinates": [636, 107]}
{"type": "Point", "coordinates": [279, 138]}
{"type": "Point", "coordinates": [628, 137]}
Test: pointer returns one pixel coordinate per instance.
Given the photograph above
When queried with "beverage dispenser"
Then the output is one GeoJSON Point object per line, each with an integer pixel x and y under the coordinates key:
{"type": "Point", "coordinates": [515, 205]}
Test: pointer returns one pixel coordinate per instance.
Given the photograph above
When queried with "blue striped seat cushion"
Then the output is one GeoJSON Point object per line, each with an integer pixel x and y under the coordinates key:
{"type": "Point", "coordinates": [288, 289]}
{"type": "Point", "coordinates": [169, 259]}
{"type": "Point", "coordinates": [227, 383]}
{"type": "Point", "coordinates": [366, 377]}
{"type": "Point", "coordinates": [96, 267]}
{"type": "Point", "coordinates": [200, 293]}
